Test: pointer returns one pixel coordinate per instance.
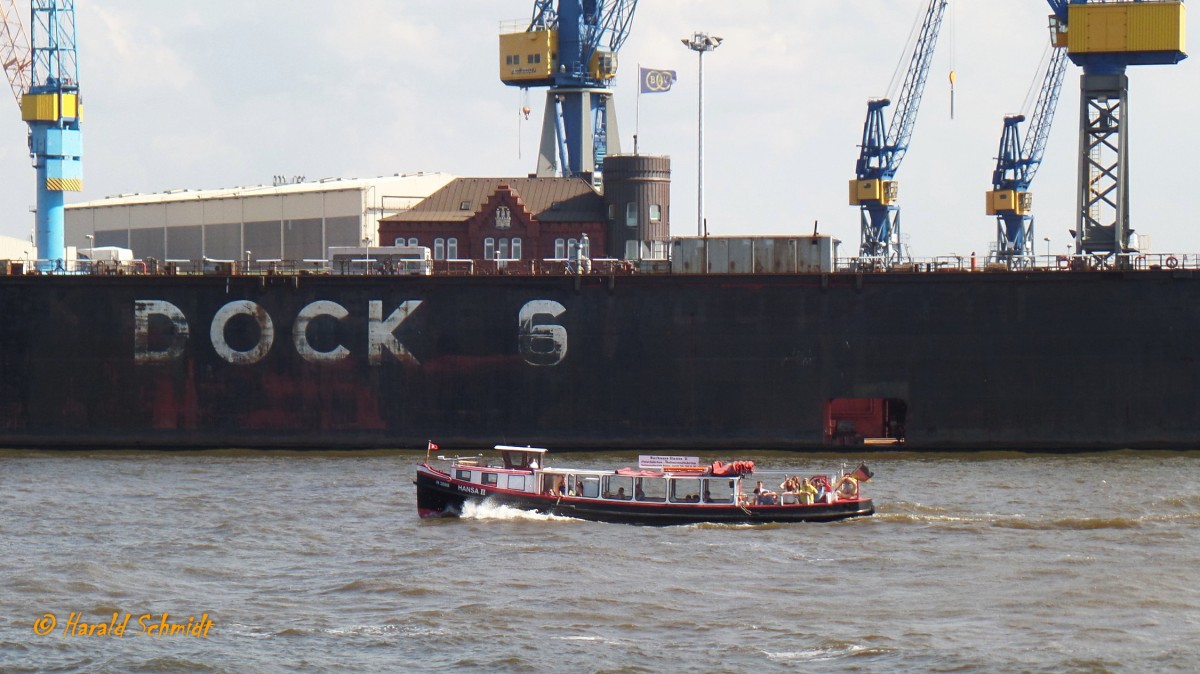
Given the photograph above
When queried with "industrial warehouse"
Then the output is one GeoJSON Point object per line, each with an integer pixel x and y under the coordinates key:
{"type": "Point", "coordinates": [296, 221]}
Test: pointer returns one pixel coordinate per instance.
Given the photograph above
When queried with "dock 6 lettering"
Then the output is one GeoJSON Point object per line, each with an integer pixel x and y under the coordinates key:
{"type": "Point", "coordinates": [539, 341]}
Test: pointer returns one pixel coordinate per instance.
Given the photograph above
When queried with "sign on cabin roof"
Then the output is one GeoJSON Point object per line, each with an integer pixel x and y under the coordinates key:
{"type": "Point", "coordinates": [655, 461]}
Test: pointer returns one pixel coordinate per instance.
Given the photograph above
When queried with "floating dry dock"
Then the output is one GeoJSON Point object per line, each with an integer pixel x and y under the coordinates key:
{"type": "Point", "coordinates": [1041, 359]}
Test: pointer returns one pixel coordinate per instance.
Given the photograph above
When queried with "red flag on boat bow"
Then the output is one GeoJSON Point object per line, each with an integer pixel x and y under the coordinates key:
{"type": "Point", "coordinates": [431, 447]}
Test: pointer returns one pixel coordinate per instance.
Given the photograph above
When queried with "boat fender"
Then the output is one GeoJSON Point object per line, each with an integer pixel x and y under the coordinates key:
{"type": "Point", "coordinates": [1172, 262]}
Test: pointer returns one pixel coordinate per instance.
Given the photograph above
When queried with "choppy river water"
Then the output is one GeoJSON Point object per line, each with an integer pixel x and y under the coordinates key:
{"type": "Point", "coordinates": [292, 562]}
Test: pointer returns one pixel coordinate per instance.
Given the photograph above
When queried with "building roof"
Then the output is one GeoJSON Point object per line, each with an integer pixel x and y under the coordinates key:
{"type": "Point", "coordinates": [413, 185]}
{"type": "Point", "coordinates": [548, 199]}
{"type": "Point", "coordinates": [12, 248]}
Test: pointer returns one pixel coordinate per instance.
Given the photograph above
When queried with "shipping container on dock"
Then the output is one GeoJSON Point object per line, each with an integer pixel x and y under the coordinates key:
{"type": "Point", "coordinates": [922, 361]}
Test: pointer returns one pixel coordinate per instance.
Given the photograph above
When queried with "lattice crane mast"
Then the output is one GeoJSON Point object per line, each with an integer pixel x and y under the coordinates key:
{"type": "Point", "coordinates": [1017, 162]}
{"type": "Point", "coordinates": [570, 46]}
{"type": "Point", "coordinates": [1104, 37]}
{"type": "Point", "coordinates": [14, 49]}
{"type": "Point", "coordinates": [44, 75]}
{"type": "Point", "coordinates": [874, 189]}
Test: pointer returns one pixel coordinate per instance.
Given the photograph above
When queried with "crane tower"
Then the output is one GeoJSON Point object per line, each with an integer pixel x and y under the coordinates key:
{"type": "Point", "coordinates": [571, 47]}
{"type": "Point", "coordinates": [1104, 37]}
{"type": "Point", "coordinates": [44, 75]}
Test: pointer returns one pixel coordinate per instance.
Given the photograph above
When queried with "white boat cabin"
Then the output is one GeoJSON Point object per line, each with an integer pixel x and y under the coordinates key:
{"type": "Point", "coordinates": [523, 470]}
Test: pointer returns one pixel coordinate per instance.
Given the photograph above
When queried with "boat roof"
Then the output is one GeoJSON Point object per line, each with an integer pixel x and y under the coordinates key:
{"type": "Point", "coordinates": [526, 450]}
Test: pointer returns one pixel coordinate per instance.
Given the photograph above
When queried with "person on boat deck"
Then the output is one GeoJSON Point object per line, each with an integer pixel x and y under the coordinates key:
{"type": "Point", "coordinates": [638, 492]}
{"type": "Point", "coordinates": [533, 464]}
{"type": "Point", "coordinates": [820, 487]}
{"type": "Point", "coordinates": [808, 493]}
{"type": "Point", "coordinates": [621, 493]}
{"type": "Point", "coordinates": [764, 496]}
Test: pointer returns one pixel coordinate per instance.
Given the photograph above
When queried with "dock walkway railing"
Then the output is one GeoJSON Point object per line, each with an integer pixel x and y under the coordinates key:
{"type": "Point", "coordinates": [597, 267]}
{"type": "Point", "coordinates": [973, 263]}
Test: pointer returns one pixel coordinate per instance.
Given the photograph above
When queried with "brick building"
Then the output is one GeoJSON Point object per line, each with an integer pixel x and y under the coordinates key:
{"type": "Point", "coordinates": [531, 219]}
{"type": "Point", "coordinates": [503, 218]}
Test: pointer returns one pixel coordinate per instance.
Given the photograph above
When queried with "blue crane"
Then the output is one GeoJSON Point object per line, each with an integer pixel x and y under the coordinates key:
{"type": "Point", "coordinates": [43, 72]}
{"type": "Point", "coordinates": [1104, 37]}
{"type": "Point", "coordinates": [874, 189]}
{"type": "Point", "coordinates": [1017, 162]}
{"type": "Point", "coordinates": [570, 46]}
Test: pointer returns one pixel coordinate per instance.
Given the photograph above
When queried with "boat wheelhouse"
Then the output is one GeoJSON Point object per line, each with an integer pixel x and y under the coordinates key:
{"type": "Point", "coordinates": [660, 493]}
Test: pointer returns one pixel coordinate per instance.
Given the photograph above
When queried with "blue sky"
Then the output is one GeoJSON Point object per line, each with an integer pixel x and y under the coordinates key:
{"type": "Point", "coordinates": [222, 93]}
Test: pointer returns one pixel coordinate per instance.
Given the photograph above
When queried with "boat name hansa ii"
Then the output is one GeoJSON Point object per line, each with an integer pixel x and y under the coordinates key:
{"type": "Point", "coordinates": [540, 341]}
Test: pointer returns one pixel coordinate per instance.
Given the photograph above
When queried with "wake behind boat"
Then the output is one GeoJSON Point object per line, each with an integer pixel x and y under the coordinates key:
{"type": "Point", "coordinates": [662, 490]}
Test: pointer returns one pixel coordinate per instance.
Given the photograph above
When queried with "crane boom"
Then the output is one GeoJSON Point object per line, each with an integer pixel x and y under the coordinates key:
{"type": "Point", "coordinates": [14, 49]}
{"type": "Point", "coordinates": [874, 189]}
{"type": "Point", "coordinates": [904, 118]}
{"type": "Point", "coordinates": [1043, 113]}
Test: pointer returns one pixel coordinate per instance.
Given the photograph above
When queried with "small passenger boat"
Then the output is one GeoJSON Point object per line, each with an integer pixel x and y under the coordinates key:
{"type": "Point", "coordinates": [662, 490]}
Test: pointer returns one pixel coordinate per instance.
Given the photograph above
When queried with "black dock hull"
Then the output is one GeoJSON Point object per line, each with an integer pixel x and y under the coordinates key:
{"type": "Point", "coordinates": [1028, 361]}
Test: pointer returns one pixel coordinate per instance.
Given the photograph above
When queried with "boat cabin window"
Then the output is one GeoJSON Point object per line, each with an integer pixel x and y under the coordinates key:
{"type": "Point", "coordinates": [463, 475]}
{"type": "Point", "coordinates": [489, 478]}
{"type": "Point", "coordinates": [554, 484]}
{"type": "Point", "coordinates": [517, 482]}
{"type": "Point", "coordinates": [650, 489]}
{"type": "Point", "coordinates": [618, 486]}
{"type": "Point", "coordinates": [719, 491]}
{"type": "Point", "coordinates": [685, 491]}
{"type": "Point", "coordinates": [516, 460]}
{"type": "Point", "coordinates": [587, 486]}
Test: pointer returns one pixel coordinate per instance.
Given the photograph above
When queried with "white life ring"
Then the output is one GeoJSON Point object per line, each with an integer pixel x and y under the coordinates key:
{"type": "Point", "coordinates": [847, 488]}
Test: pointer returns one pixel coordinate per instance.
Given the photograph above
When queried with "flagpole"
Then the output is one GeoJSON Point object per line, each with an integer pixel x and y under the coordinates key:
{"type": "Point", "coordinates": [637, 125]}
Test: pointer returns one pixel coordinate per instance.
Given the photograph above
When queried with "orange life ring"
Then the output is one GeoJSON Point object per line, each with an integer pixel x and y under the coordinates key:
{"type": "Point", "coordinates": [1172, 262]}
